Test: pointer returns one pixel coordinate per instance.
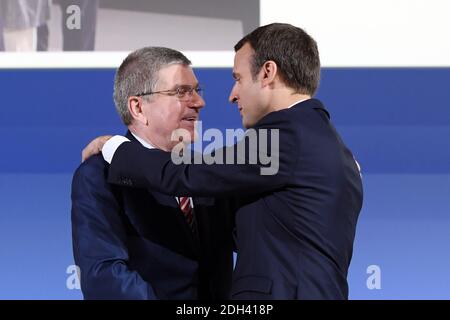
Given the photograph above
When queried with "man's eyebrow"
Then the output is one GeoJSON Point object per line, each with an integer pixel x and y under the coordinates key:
{"type": "Point", "coordinates": [196, 85]}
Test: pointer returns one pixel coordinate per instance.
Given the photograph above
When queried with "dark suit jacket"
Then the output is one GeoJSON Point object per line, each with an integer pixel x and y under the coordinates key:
{"type": "Point", "coordinates": [295, 229]}
{"type": "Point", "coordinates": [136, 244]}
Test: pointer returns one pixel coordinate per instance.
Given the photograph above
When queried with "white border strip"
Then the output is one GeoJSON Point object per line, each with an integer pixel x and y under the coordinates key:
{"type": "Point", "coordinates": [59, 60]}
{"type": "Point", "coordinates": [200, 59]}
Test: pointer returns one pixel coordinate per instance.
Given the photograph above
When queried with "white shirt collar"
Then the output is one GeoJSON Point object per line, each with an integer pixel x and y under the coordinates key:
{"type": "Point", "coordinates": [297, 102]}
{"type": "Point", "coordinates": [149, 146]}
{"type": "Point", "coordinates": [142, 141]}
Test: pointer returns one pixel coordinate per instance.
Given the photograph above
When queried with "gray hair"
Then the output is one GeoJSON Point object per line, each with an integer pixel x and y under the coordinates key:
{"type": "Point", "coordinates": [138, 73]}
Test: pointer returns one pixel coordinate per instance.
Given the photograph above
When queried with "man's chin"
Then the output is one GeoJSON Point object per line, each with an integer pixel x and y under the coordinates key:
{"type": "Point", "coordinates": [185, 134]}
{"type": "Point", "coordinates": [193, 136]}
{"type": "Point", "coordinates": [245, 124]}
{"type": "Point", "coordinates": [249, 122]}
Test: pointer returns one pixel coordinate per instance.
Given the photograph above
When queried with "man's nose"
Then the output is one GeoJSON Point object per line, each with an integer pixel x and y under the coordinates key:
{"type": "Point", "coordinates": [233, 96]}
{"type": "Point", "coordinates": [197, 101]}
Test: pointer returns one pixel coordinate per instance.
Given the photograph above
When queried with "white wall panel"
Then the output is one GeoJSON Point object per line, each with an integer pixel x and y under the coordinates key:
{"type": "Point", "coordinates": [369, 32]}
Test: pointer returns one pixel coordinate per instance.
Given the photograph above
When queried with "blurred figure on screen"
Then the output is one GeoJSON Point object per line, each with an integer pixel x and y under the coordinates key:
{"type": "Point", "coordinates": [78, 24]}
{"type": "Point", "coordinates": [83, 38]}
{"type": "Point", "coordinates": [136, 244]}
{"type": "Point", "coordinates": [20, 20]}
{"type": "Point", "coordinates": [2, 43]}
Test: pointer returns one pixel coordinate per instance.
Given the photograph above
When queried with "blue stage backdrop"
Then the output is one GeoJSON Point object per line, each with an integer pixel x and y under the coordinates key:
{"type": "Point", "coordinates": [396, 121]}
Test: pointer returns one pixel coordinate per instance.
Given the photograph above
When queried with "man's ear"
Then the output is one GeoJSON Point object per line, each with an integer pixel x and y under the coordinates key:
{"type": "Point", "coordinates": [135, 107]}
{"type": "Point", "coordinates": [269, 72]}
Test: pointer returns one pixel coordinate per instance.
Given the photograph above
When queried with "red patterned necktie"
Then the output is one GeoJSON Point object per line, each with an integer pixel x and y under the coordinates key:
{"type": "Point", "coordinates": [188, 211]}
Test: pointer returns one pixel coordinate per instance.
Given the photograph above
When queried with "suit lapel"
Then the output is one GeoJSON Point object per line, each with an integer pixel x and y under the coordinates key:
{"type": "Point", "coordinates": [170, 201]}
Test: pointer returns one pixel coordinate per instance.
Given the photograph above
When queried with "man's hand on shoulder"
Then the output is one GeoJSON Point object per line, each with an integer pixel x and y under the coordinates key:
{"type": "Point", "coordinates": [94, 147]}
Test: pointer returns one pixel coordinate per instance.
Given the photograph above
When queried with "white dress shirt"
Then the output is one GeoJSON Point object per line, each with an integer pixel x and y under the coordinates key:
{"type": "Point", "coordinates": [112, 144]}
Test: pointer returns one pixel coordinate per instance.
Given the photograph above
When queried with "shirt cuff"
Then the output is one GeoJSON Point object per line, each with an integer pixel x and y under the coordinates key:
{"type": "Point", "coordinates": [110, 147]}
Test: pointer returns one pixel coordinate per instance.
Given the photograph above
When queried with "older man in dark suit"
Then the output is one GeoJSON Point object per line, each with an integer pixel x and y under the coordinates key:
{"type": "Point", "coordinates": [140, 244]}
